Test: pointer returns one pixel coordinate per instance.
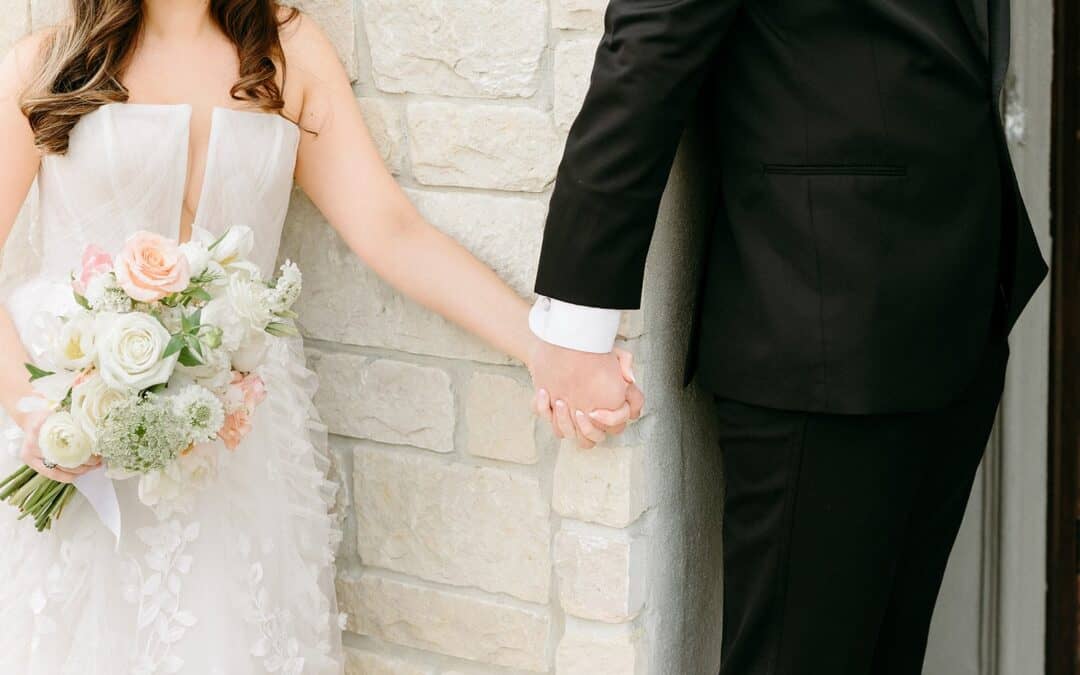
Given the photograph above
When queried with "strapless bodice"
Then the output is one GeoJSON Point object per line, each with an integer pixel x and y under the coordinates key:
{"type": "Point", "coordinates": [126, 170]}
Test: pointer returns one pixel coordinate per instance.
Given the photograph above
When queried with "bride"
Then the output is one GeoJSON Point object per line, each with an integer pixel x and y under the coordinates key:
{"type": "Point", "coordinates": [170, 115]}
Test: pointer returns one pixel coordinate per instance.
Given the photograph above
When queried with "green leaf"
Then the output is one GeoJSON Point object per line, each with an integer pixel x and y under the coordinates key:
{"type": "Point", "coordinates": [191, 322]}
{"type": "Point", "coordinates": [199, 294]}
{"type": "Point", "coordinates": [188, 359]}
{"type": "Point", "coordinates": [281, 329]}
{"type": "Point", "coordinates": [194, 345]}
{"type": "Point", "coordinates": [83, 302]}
{"type": "Point", "coordinates": [37, 373]}
{"type": "Point", "coordinates": [175, 345]}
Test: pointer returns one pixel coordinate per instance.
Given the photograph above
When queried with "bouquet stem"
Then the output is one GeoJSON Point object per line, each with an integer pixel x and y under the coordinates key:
{"type": "Point", "coordinates": [36, 496]}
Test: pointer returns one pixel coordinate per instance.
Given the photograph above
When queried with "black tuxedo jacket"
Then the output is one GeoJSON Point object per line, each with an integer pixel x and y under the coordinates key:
{"type": "Point", "coordinates": [868, 215]}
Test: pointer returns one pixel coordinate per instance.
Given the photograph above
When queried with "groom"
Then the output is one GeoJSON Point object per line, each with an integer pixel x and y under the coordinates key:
{"type": "Point", "coordinates": [869, 255]}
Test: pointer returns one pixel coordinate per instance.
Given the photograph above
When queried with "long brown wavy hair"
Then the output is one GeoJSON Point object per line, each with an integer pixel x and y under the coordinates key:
{"type": "Point", "coordinates": [83, 59]}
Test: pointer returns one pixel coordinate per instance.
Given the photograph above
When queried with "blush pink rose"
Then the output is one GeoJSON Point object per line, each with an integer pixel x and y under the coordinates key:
{"type": "Point", "coordinates": [245, 392]}
{"type": "Point", "coordinates": [237, 426]}
{"type": "Point", "coordinates": [254, 390]}
{"type": "Point", "coordinates": [151, 267]}
{"type": "Point", "coordinates": [95, 262]}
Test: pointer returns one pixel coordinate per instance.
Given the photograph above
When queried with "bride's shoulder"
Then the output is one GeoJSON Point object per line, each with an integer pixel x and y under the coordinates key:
{"type": "Point", "coordinates": [23, 62]}
{"type": "Point", "coordinates": [306, 46]}
{"type": "Point", "coordinates": [314, 69]}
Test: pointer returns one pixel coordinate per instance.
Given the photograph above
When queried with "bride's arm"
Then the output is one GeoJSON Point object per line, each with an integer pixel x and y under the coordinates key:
{"type": "Point", "coordinates": [18, 166]}
{"type": "Point", "coordinates": [341, 170]}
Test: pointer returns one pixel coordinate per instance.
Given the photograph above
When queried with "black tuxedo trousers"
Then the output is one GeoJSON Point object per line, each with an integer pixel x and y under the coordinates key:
{"type": "Point", "coordinates": [837, 529]}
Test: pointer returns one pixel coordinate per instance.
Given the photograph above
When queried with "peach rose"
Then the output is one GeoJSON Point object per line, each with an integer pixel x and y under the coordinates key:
{"type": "Point", "coordinates": [95, 262]}
{"type": "Point", "coordinates": [151, 267]}
{"type": "Point", "coordinates": [237, 426]}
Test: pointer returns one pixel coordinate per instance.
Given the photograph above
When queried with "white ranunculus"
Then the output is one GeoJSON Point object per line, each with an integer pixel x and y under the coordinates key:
{"type": "Point", "coordinates": [91, 401]}
{"type": "Point", "coordinates": [161, 485]}
{"type": "Point", "coordinates": [235, 245]}
{"type": "Point", "coordinates": [252, 351]}
{"type": "Point", "coordinates": [199, 467]}
{"type": "Point", "coordinates": [130, 351]}
{"type": "Point", "coordinates": [63, 442]}
{"type": "Point", "coordinates": [74, 348]}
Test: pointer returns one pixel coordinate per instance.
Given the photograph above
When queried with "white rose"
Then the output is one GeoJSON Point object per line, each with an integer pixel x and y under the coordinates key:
{"type": "Point", "coordinates": [252, 351]}
{"type": "Point", "coordinates": [235, 245]}
{"type": "Point", "coordinates": [130, 351]}
{"type": "Point", "coordinates": [74, 348]}
{"type": "Point", "coordinates": [91, 401]}
{"type": "Point", "coordinates": [63, 442]}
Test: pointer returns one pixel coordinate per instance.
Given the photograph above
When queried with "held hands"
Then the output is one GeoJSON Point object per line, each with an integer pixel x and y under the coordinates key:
{"type": "Point", "coordinates": [583, 395]}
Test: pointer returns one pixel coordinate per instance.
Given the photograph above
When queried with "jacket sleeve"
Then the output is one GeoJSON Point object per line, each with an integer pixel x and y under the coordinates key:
{"type": "Point", "coordinates": [651, 63]}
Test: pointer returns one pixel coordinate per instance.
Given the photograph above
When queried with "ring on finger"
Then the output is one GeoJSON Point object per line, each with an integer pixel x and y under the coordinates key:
{"type": "Point", "coordinates": [48, 465]}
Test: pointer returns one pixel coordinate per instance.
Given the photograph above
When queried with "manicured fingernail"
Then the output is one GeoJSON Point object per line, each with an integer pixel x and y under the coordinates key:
{"type": "Point", "coordinates": [580, 415]}
{"type": "Point", "coordinates": [594, 415]}
{"type": "Point", "coordinates": [542, 392]}
{"type": "Point", "coordinates": [633, 380]}
{"type": "Point", "coordinates": [560, 404]}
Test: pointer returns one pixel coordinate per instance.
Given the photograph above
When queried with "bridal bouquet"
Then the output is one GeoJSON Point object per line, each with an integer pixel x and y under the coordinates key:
{"type": "Point", "coordinates": [154, 373]}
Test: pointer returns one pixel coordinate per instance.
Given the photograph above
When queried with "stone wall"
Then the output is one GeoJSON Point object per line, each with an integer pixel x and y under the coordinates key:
{"type": "Point", "coordinates": [474, 542]}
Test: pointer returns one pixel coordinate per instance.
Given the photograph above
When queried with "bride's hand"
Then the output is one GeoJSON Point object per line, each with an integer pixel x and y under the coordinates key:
{"type": "Point", "coordinates": [613, 422]}
{"type": "Point", "coordinates": [594, 427]}
{"type": "Point", "coordinates": [31, 454]}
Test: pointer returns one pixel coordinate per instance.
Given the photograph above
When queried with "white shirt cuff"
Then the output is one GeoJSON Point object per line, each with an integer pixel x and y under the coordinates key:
{"type": "Point", "coordinates": [564, 324]}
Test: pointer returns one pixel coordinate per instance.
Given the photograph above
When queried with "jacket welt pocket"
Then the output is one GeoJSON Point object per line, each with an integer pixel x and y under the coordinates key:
{"type": "Point", "coordinates": [837, 169]}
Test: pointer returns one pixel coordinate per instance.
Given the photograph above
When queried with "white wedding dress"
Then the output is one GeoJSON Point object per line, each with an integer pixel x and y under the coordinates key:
{"type": "Point", "coordinates": [238, 579]}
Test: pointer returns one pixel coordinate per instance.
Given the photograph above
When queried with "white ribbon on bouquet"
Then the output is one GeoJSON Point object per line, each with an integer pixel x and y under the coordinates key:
{"type": "Point", "coordinates": [99, 490]}
{"type": "Point", "coordinates": [95, 486]}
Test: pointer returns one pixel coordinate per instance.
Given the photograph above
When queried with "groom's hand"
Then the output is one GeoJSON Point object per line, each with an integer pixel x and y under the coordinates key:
{"type": "Point", "coordinates": [584, 395]}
